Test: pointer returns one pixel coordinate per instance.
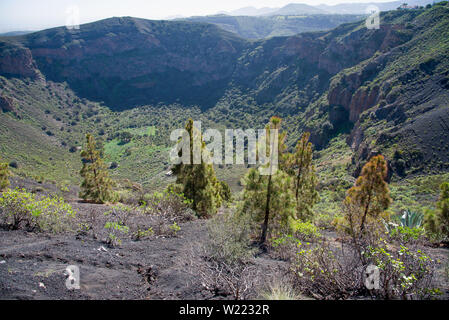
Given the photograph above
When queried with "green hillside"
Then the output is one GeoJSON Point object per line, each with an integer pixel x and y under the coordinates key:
{"type": "Point", "coordinates": [360, 92]}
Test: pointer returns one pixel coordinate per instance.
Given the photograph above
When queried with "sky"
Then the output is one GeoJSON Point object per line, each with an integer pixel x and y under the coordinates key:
{"type": "Point", "coordinates": [25, 15]}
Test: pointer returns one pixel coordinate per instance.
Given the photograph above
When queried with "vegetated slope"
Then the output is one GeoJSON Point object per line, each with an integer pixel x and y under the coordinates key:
{"type": "Point", "coordinates": [377, 85]}
{"type": "Point", "coordinates": [398, 99]}
{"type": "Point", "coordinates": [43, 127]}
{"type": "Point", "coordinates": [272, 26]}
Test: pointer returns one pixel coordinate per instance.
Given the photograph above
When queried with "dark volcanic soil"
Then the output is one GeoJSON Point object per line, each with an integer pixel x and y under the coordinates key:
{"type": "Point", "coordinates": [32, 267]}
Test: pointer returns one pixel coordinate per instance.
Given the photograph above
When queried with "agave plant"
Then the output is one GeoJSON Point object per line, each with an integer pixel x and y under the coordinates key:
{"type": "Point", "coordinates": [411, 219]}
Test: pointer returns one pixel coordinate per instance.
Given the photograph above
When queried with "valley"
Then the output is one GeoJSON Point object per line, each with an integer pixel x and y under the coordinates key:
{"type": "Point", "coordinates": [129, 82]}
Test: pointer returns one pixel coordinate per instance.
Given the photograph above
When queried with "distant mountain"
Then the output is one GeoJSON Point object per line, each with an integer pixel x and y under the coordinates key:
{"type": "Point", "coordinates": [251, 11]}
{"type": "Point", "coordinates": [14, 33]}
{"type": "Point", "coordinates": [269, 26]}
{"type": "Point", "coordinates": [343, 8]}
{"type": "Point", "coordinates": [360, 8]}
{"type": "Point", "coordinates": [298, 9]}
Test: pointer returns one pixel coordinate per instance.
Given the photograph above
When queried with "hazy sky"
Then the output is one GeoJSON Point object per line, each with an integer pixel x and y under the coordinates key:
{"type": "Point", "coordinates": [40, 14]}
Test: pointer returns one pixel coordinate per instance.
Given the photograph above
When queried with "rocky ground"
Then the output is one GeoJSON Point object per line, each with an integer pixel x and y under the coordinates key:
{"type": "Point", "coordinates": [32, 265]}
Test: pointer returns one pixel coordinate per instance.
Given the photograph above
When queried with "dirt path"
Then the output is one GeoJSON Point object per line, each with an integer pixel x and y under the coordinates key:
{"type": "Point", "coordinates": [32, 267]}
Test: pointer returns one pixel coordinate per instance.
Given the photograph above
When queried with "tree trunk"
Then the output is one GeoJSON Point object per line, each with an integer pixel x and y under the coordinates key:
{"type": "Point", "coordinates": [263, 238]}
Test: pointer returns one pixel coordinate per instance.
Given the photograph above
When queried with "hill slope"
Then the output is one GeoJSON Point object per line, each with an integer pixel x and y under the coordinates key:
{"type": "Point", "coordinates": [386, 89]}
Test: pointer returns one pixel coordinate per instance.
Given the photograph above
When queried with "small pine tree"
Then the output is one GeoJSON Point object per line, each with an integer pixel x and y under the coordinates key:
{"type": "Point", "coordinates": [96, 185]}
{"type": "Point", "coordinates": [299, 165]}
{"type": "Point", "coordinates": [225, 191]}
{"type": "Point", "coordinates": [4, 174]}
{"type": "Point", "coordinates": [367, 200]}
{"type": "Point", "coordinates": [269, 198]}
{"type": "Point", "coordinates": [431, 223]}
{"type": "Point", "coordinates": [280, 200]}
{"type": "Point", "coordinates": [443, 207]}
{"type": "Point", "coordinates": [198, 181]}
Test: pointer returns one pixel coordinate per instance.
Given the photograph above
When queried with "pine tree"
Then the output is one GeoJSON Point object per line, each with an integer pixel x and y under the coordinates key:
{"type": "Point", "coordinates": [443, 207]}
{"type": "Point", "coordinates": [198, 181]}
{"type": "Point", "coordinates": [299, 165]}
{"type": "Point", "coordinates": [4, 174]}
{"type": "Point", "coordinates": [280, 201]}
{"type": "Point", "coordinates": [367, 200]}
{"type": "Point", "coordinates": [96, 185]}
{"type": "Point", "coordinates": [269, 198]}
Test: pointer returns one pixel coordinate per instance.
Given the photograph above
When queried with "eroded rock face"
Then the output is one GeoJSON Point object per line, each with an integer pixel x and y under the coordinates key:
{"type": "Point", "coordinates": [357, 46]}
{"type": "Point", "coordinates": [17, 61]}
{"type": "Point", "coordinates": [348, 90]}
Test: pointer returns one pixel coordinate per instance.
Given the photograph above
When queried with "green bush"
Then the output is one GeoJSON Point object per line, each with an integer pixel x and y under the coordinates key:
{"type": "Point", "coordinates": [142, 234]}
{"type": "Point", "coordinates": [403, 272]}
{"type": "Point", "coordinates": [116, 229]}
{"type": "Point", "coordinates": [405, 234]}
{"type": "Point", "coordinates": [169, 203]}
{"type": "Point", "coordinates": [431, 223]}
{"type": "Point", "coordinates": [436, 222]}
{"type": "Point", "coordinates": [175, 228]}
{"type": "Point", "coordinates": [4, 174]}
{"type": "Point", "coordinates": [24, 210]}
{"type": "Point", "coordinates": [305, 230]}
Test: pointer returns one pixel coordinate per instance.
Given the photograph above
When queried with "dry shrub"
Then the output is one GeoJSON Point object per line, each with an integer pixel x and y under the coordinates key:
{"type": "Point", "coordinates": [225, 262]}
{"type": "Point", "coordinates": [324, 271]}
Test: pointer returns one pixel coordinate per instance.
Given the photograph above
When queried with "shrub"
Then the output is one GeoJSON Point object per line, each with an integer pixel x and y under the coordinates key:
{"type": "Point", "coordinates": [229, 239]}
{"type": "Point", "coordinates": [225, 263]}
{"type": "Point", "coordinates": [279, 291]}
{"type": "Point", "coordinates": [305, 230]}
{"type": "Point", "coordinates": [4, 174]}
{"type": "Point", "coordinates": [431, 224]}
{"type": "Point", "coordinates": [404, 273]}
{"type": "Point", "coordinates": [285, 245]}
{"type": "Point", "coordinates": [169, 205]}
{"type": "Point", "coordinates": [116, 229]}
{"type": "Point", "coordinates": [327, 272]}
{"type": "Point", "coordinates": [175, 228]}
{"type": "Point", "coordinates": [117, 222]}
{"type": "Point", "coordinates": [23, 210]}
{"type": "Point", "coordinates": [405, 234]}
{"type": "Point", "coordinates": [142, 234]}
